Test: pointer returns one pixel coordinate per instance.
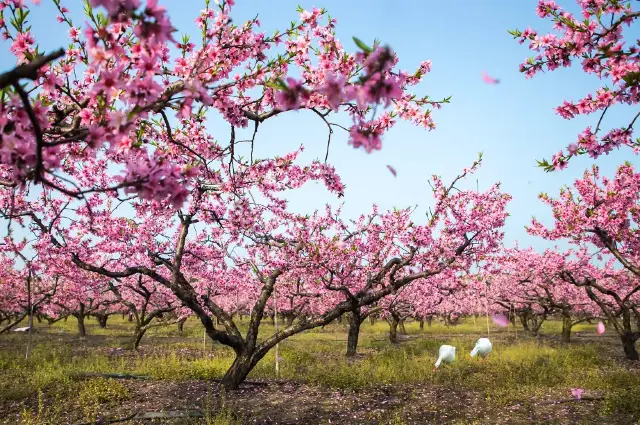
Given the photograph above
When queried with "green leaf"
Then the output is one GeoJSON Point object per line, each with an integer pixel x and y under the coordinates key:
{"type": "Point", "coordinates": [361, 45]}
{"type": "Point", "coordinates": [515, 33]}
{"type": "Point", "coordinates": [632, 78]}
{"type": "Point", "coordinates": [277, 84]}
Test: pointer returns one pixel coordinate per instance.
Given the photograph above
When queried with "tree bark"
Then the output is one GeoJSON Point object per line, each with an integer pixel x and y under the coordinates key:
{"type": "Point", "coordinates": [11, 324]}
{"type": "Point", "coordinates": [402, 328]}
{"type": "Point", "coordinates": [82, 330]}
{"type": "Point", "coordinates": [566, 328]}
{"type": "Point", "coordinates": [421, 324]}
{"type": "Point", "coordinates": [534, 325]}
{"type": "Point", "coordinates": [524, 320]}
{"type": "Point", "coordinates": [181, 325]}
{"type": "Point", "coordinates": [242, 365]}
{"type": "Point", "coordinates": [429, 320]}
{"type": "Point", "coordinates": [289, 319]}
{"type": "Point", "coordinates": [354, 332]}
{"type": "Point", "coordinates": [102, 320]}
{"type": "Point", "coordinates": [137, 337]}
{"type": "Point", "coordinates": [393, 330]}
{"type": "Point", "coordinates": [629, 344]}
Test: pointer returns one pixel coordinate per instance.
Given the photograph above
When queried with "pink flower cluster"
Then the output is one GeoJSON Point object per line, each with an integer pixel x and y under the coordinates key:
{"type": "Point", "coordinates": [119, 99]}
{"type": "Point", "coordinates": [598, 43]}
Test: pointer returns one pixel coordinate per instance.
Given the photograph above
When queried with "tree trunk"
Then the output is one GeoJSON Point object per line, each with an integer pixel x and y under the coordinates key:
{"type": "Point", "coordinates": [524, 321]}
{"type": "Point", "coordinates": [339, 319]}
{"type": "Point", "coordinates": [354, 332]}
{"type": "Point", "coordinates": [421, 324]}
{"type": "Point", "coordinates": [102, 320]}
{"type": "Point", "coordinates": [130, 318]}
{"type": "Point", "coordinates": [137, 337]}
{"type": "Point", "coordinates": [38, 318]}
{"type": "Point", "coordinates": [181, 325]}
{"type": "Point", "coordinates": [237, 373]}
{"type": "Point", "coordinates": [429, 319]}
{"type": "Point", "coordinates": [534, 325]}
{"type": "Point", "coordinates": [402, 328]}
{"type": "Point", "coordinates": [372, 320]}
{"type": "Point", "coordinates": [82, 331]}
{"type": "Point", "coordinates": [30, 328]}
{"type": "Point", "coordinates": [393, 331]}
{"type": "Point", "coordinates": [629, 344]}
{"type": "Point", "coordinates": [566, 328]}
{"type": "Point", "coordinates": [537, 323]}
{"type": "Point", "coordinates": [13, 323]}
{"type": "Point", "coordinates": [289, 319]}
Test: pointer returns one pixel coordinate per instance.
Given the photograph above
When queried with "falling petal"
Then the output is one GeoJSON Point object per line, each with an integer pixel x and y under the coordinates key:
{"type": "Point", "coordinates": [600, 328]}
{"type": "Point", "coordinates": [489, 80]}
{"type": "Point", "coordinates": [577, 393]}
{"type": "Point", "coordinates": [393, 171]}
{"type": "Point", "coordinates": [500, 320]}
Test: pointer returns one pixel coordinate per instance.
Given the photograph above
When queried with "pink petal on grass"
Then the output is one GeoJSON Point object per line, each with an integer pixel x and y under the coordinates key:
{"type": "Point", "coordinates": [577, 393]}
{"type": "Point", "coordinates": [600, 329]}
{"type": "Point", "coordinates": [500, 320]}
{"type": "Point", "coordinates": [393, 171]}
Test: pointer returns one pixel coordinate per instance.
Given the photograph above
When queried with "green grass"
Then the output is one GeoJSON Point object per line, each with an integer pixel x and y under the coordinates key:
{"type": "Point", "coordinates": [517, 371]}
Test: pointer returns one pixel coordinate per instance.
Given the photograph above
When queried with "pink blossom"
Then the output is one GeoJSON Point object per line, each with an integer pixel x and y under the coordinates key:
{"type": "Point", "coordinates": [333, 89]}
{"type": "Point", "coordinates": [500, 320]}
{"type": "Point", "coordinates": [577, 393]}
{"type": "Point", "coordinates": [293, 96]}
{"type": "Point", "coordinates": [489, 80]}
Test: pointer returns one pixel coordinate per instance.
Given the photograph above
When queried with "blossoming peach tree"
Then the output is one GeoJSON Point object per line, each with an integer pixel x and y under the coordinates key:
{"type": "Point", "coordinates": [597, 42]}
{"type": "Point", "coordinates": [601, 214]}
{"type": "Point", "coordinates": [108, 159]}
{"type": "Point", "coordinates": [125, 94]}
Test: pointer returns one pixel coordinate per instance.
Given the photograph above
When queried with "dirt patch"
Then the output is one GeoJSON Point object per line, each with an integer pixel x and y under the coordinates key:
{"type": "Point", "coordinates": [288, 403]}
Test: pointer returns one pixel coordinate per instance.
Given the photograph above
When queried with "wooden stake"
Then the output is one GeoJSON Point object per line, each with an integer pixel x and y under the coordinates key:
{"type": "Point", "coordinates": [30, 306]}
{"type": "Point", "coordinates": [275, 321]}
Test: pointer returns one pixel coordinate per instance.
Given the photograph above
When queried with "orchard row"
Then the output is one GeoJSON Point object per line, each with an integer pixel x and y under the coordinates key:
{"type": "Point", "coordinates": [117, 197]}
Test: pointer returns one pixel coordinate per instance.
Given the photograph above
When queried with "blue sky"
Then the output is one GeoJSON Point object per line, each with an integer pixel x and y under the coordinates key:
{"type": "Point", "coordinates": [513, 123]}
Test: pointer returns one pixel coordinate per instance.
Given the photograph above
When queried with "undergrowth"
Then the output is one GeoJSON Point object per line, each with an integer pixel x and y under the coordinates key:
{"type": "Point", "coordinates": [517, 371]}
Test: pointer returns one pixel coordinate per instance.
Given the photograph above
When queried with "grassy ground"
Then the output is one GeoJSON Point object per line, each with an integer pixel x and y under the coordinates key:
{"type": "Point", "coordinates": [524, 380]}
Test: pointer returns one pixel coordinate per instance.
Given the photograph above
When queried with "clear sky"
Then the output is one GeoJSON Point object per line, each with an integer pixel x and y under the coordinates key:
{"type": "Point", "coordinates": [513, 123]}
